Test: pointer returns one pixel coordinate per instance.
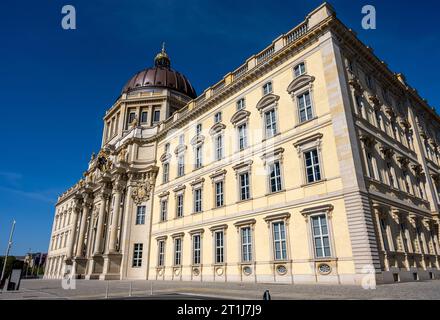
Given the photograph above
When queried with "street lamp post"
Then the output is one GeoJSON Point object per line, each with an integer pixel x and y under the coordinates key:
{"type": "Point", "coordinates": [7, 252]}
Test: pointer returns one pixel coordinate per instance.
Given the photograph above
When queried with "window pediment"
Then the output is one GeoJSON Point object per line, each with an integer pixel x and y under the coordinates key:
{"type": "Point", "coordinates": [267, 100]}
{"type": "Point", "coordinates": [300, 82]}
{"type": "Point", "coordinates": [165, 157]}
{"type": "Point", "coordinates": [217, 128]}
{"type": "Point", "coordinates": [198, 140]}
{"type": "Point", "coordinates": [240, 116]}
{"type": "Point", "coordinates": [180, 149]}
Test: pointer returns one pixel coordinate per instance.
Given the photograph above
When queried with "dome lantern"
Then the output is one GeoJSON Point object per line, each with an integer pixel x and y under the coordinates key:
{"type": "Point", "coordinates": [162, 59]}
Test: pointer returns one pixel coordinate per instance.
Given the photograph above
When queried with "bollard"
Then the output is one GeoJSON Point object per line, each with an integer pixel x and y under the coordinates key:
{"type": "Point", "coordinates": [106, 291]}
{"type": "Point", "coordinates": [266, 295]}
{"type": "Point", "coordinates": [131, 288]}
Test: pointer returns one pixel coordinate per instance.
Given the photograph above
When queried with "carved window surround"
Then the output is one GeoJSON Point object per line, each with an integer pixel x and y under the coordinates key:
{"type": "Point", "coordinates": [277, 217]}
{"type": "Point", "coordinates": [240, 117]}
{"type": "Point", "coordinates": [326, 209]}
{"type": "Point", "coordinates": [218, 176]}
{"type": "Point", "coordinates": [245, 223]}
{"type": "Point", "coordinates": [216, 129]}
{"type": "Point", "coordinates": [198, 183]}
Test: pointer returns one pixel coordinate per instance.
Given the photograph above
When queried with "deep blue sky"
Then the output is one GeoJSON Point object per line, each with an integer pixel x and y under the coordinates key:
{"type": "Point", "coordinates": [55, 85]}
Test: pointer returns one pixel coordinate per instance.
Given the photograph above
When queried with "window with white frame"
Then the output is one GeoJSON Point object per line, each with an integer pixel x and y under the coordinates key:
{"type": "Point", "coordinates": [218, 147]}
{"type": "Point", "coordinates": [270, 123]}
{"type": "Point", "coordinates": [246, 244]}
{"type": "Point", "coordinates": [166, 172]}
{"type": "Point", "coordinates": [179, 205]}
{"type": "Point", "coordinates": [161, 253]}
{"type": "Point", "coordinates": [180, 165]}
{"type": "Point", "coordinates": [279, 240]}
{"type": "Point", "coordinates": [242, 136]}
{"type": "Point", "coordinates": [198, 200]}
{"type": "Point", "coordinates": [140, 215]}
{"type": "Point", "coordinates": [177, 251]}
{"type": "Point", "coordinates": [244, 184]}
{"type": "Point", "coordinates": [321, 238]}
{"type": "Point", "coordinates": [241, 104]}
{"type": "Point", "coordinates": [198, 157]}
{"type": "Point", "coordinates": [163, 210]}
{"type": "Point", "coordinates": [313, 170]}
{"type": "Point", "coordinates": [137, 254]}
{"type": "Point", "coordinates": [219, 246]}
{"type": "Point", "coordinates": [267, 88]}
{"type": "Point", "coordinates": [299, 69]}
{"type": "Point", "coordinates": [305, 107]}
{"type": "Point", "coordinates": [197, 248]}
{"type": "Point", "coordinates": [219, 198]}
{"type": "Point", "coordinates": [275, 176]}
{"type": "Point", "coordinates": [218, 117]}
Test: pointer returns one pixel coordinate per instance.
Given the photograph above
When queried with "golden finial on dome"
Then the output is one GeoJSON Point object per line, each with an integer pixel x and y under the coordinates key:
{"type": "Point", "coordinates": [162, 59]}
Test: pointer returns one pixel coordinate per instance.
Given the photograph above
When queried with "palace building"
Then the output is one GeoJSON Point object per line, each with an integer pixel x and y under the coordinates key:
{"type": "Point", "coordinates": [312, 162]}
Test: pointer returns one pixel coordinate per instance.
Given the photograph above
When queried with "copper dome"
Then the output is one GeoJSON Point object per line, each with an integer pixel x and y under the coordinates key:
{"type": "Point", "coordinates": [162, 76]}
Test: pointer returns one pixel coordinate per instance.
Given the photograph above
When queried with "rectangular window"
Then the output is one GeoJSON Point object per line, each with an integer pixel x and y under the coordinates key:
{"type": "Point", "coordinates": [166, 172]}
{"type": "Point", "coordinates": [177, 251]}
{"type": "Point", "coordinates": [179, 205]}
{"type": "Point", "coordinates": [163, 210]}
{"type": "Point", "coordinates": [181, 139]}
{"type": "Point", "coordinates": [405, 239]}
{"type": "Point", "coordinates": [131, 117]}
{"type": "Point", "coordinates": [156, 116]}
{"type": "Point", "coordinates": [198, 154]}
{"type": "Point", "coordinates": [305, 107]}
{"type": "Point", "coordinates": [407, 181]}
{"type": "Point", "coordinates": [140, 215]}
{"type": "Point", "coordinates": [198, 129]}
{"type": "Point", "coordinates": [197, 249]}
{"type": "Point", "coordinates": [321, 239]}
{"type": "Point", "coordinates": [300, 69]}
{"type": "Point", "coordinates": [180, 165]}
{"type": "Point", "coordinates": [359, 106]}
{"type": "Point", "coordinates": [279, 241]}
{"type": "Point", "coordinates": [420, 239]}
{"type": "Point", "coordinates": [369, 81]}
{"type": "Point", "coordinates": [167, 148]}
{"type": "Point", "coordinates": [219, 147]}
{"type": "Point", "coordinates": [198, 200]}
{"type": "Point", "coordinates": [144, 117]}
{"type": "Point", "coordinates": [392, 173]}
{"type": "Point", "coordinates": [246, 244]}
{"type": "Point", "coordinates": [245, 193]}
{"type": "Point", "coordinates": [242, 136]}
{"type": "Point", "coordinates": [219, 194]}
{"type": "Point", "coordinates": [313, 171]}
{"type": "Point", "coordinates": [137, 255]}
{"type": "Point", "coordinates": [219, 246]}
{"type": "Point", "coordinates": [161, 253]}
{"type": "Point", "coordinates": [267, 88]}
{"type": "Point", "coordinates": [218, 117]}
{"type": "Point", "coordinates": [241, 104]}
{"type": "Point", "coordinates": [384, 232]}
{"type": "Point", "coordinates": [275, 177]}
{"type": "Point", "coordinates": [271, 123]}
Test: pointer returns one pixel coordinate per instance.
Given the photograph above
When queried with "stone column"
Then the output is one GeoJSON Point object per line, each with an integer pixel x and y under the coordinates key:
{"type": "Point", "coordinates": [115, 217]}
{"type": "Point", "coordinates": [82, 230]}
{"type": "Point", "coordinates": [100, 227]}
{"type": "Point", "coordinates": [71, 244]}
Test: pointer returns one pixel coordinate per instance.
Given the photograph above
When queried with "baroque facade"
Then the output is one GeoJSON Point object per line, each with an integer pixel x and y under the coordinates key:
{"type": "Point", "coordinates": [311, 162]}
